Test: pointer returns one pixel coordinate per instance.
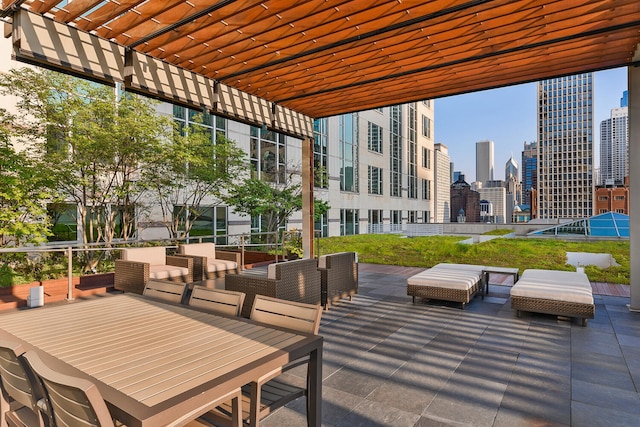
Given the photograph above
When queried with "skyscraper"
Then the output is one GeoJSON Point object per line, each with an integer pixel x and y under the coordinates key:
{"type": "Point", "coordinates": [511, 168]}
{"type": "Point", "coordinates": [614, 149]}
{"type": "Point", "coordinates": [484, 161]}
{"type": "Point", "coordinates": [529, 172]}
{"type": "Point", "coordinates": [442, 182]}
{"type": "Point", "coordinates": [565, 147]}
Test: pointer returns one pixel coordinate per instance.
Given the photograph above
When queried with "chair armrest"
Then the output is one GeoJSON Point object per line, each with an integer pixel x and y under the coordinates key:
{"type": "Point", "coordinates": [229, 256]}
{"type": "Point", "coordinates": [131, 276]}
{"type": "Point", "coordinates": [180, 261]}
{"type": "Point", "coordinates": [199, 265]}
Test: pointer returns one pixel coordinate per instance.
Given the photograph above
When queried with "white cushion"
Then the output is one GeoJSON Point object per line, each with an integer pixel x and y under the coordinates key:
{"type": "Point", "coordinates": [271, 271]}
{"type": "Point", "coordinates": [155, 255]}
{"type": "Point", "coordinates": [322, 261]}
{"type": "Point", "coordinates": [200, 249]}
{"type": "Point", "coordinates": [220, 265]}
{"type": "Point", "coordinates": [446, 278]}
{"type": "Point", "coordinates": [567, 286]}
{"type": "Point", "coordinates": [166, 271]}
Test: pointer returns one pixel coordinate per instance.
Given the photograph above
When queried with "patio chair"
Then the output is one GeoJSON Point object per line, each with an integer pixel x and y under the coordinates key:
{"type": "Point", "coordinates": [339, 275]}
{"type": "Point", "coordinates": [209, 262]}
{"type": "Point", "coordinates": [270, 392]}
{"type": "Point", "coordinates": [74, 401]}
{"type": "Point", "coordinates": [138, 265]}
{"type": "Point", "coordinates": [20, 391]}
{"type": "Point", "coordinates": [71, 401]}
{"type": "Point", "coordinates": [217, 301]}
{"type": "Point", "coordinates": [297, 280]}
{"type": "Point", "coordinates": [165, 291]}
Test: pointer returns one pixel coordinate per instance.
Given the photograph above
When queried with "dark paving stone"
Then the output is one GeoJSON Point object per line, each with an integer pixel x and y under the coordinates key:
{"type": "Point", "coordinates": [353, 381]}
{"type": "Point", "coordinates": [597, 416]}
{"type": "Point", "coordinates": [606, 397]}
{"type": "Point", "coordinates": [372, 414]}
{"type": "Point", "coordinates": [601, 369]}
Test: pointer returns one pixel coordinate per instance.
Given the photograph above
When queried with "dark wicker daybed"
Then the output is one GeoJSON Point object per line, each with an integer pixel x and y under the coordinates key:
{"type": "Point", "coordinates": [561, 293]}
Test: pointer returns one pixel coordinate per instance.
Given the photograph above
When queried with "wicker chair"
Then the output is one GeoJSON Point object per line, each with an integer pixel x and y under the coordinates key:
{"type": "Point", "coordinates": [138, 265]}
{"type": "Point", "coordinates": [339, 273]}
{"type": "Point", "coordinates": [297, 280]}
{"type": "Point", "coordinates": [209, 262]}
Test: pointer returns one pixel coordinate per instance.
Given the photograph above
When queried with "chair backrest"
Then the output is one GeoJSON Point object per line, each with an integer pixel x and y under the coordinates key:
{"type": "Point", "coordinates": [166, 291]}
{"type": "Point", "coordinates": [298, 267]}
{"type": "Point", "coordinates": [152, 255]}
{"type": "Point", "coordinates": [72, 401]}
{"type": "Point", "coordinates": [217, 300]}
{"type": "Point", "coordinates": [287, 314]}
{"type": "Point", "coordinates": [17, 380]}
{"type": "Point", "coordinates": [199, 249]}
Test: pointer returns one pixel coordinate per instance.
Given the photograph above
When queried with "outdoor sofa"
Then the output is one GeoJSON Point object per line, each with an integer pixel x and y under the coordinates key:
{"type": "Point", "coordinates": [209, 262]}
{"type": "Point", "coordinates": [448, 282]}
{"type": "Point", "coordinates": [137, 265]}
{"type": "Point", "coordinates": [561, 293]}
{"type": "Point", "coordinates": [297, 280]}
{"type": "Point", "coordinates": [339, 276]}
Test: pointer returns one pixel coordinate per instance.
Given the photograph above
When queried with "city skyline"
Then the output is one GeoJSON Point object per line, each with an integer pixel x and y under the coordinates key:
{"type": "Point", "coordinates": [507, 116]}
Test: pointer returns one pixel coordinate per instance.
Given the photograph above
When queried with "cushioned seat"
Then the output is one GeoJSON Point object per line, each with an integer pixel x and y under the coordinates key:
{"type": "Point", "coordinates": [209, 262]}
{"type": "Point", "coordinates": [137, 265]}
{"type": "Point", "coordinates": [562, 293]}
{"type": "Point", "coordinates": [448, 282]}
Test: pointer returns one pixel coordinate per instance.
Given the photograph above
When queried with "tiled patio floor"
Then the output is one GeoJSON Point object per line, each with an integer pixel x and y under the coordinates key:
{"type": "Point", "coordinates": [389, 362]}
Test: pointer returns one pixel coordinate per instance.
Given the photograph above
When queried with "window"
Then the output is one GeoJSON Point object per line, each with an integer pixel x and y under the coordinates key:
{"type": "Point", "coordinates": [412, 155]}
{"type": "Point", "coordinates": [349, 222]}
{"type": "Point", "coordinates": [375, 221]}
{"type": "Point", "coordinates": [321, 226]}
{"type": "Point", "coordinates": [412, 217]}
{"type": "Point", "coordinates": [426, 216]}
{"type": "Point", "coordinates": [320, 138]}
{"type": "Point", "coordinates": [348, 153]}
{"type": "Point", "coordinates": [426, 158]}
{"type": "Point", "coordinates": [64, 222]}
{"type": "Point", "coordinates": [618, 197]}
{"type": "Point", "coordinates": [206, 221]}
{"type": "Point", "coordinates": [426, 127]}
{"type": "Point", "coordinates": [267, 154]}
{"type": "Point", "coordinates": [426, 189]}
{"type": "Point", "coordinates": [395, 158]}
{"type": "Point", "coordinates": [603, 198]}
{"type": "Point", "coordinates": [375, 180]}
{"type": "Point", "coordinates": [375, 138]}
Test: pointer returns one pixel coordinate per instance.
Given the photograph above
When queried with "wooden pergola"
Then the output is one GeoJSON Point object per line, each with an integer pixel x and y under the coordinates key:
{"type": "Point", "coordinates": [282, 63]}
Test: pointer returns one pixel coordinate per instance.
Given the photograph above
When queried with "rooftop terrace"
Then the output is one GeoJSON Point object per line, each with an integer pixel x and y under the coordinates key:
{"type": "Point", "coordinates": [389, 362]}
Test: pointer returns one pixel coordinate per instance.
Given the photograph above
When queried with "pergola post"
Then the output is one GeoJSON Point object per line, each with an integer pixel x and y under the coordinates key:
{"type": "Point", "coordinates": [634, 184]}
{"type": "Point", "coordinates": [307, 197]}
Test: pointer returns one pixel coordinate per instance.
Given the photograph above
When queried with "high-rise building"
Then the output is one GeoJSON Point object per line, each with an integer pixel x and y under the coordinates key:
{"type": "Point", "coordinates": [614, 148]}
{"type": "Point", "coordinates": [511, 168]}
{"type": "Point", "coordinates": [624, 101]}
{"type": "Point", "coordinates": [529, 172]}
{"type": "Point", "coordinates": [442, 183]}
{"type": "Point", "coordinates": [565, 147]}
{"type": "Point", "coordinates": [484, 161]}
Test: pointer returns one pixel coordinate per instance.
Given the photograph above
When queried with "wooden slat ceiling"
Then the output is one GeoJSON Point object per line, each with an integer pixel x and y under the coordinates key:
{"type": "Point", "coordinates": [323, 58]}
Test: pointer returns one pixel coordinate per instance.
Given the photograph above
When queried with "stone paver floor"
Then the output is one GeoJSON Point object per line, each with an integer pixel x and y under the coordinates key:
{"type": "Point", "coordinates": [389, 362]}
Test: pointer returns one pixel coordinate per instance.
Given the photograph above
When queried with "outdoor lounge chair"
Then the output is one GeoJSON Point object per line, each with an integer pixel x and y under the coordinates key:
{"type": "Point", "coordinates": [19, 388]}
{"type": "Point", "coordinates": [138, 265]}
{"type": "Point", "coordinates": [297, 280]}
{"type": "Point", "coordinates": [209, 262]}
{"type": "Point", "coordinates": [339, 276]}
{"type": "Point", "coordinates": [561, 293]}
{"type": "Point", "coordinates": [217, 300]}
{"type": "Point", "coordinates": [270, 392]}
{"type": "Point", "coordinates": [448, 282]}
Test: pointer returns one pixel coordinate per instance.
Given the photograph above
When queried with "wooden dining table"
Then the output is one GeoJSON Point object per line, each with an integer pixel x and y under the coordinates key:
{"type": "Point", "coordinates": [156, 363]}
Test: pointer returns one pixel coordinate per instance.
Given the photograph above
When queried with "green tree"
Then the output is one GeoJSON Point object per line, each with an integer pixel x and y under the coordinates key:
{"type": "Point", "coordinates": [191, 169]}
{"type": "Point", "coordinates": [92, 141]}
{"type": "Point", "coordinates": [275, 202]}
{"type": "Point", "coordinates": [24, 189]}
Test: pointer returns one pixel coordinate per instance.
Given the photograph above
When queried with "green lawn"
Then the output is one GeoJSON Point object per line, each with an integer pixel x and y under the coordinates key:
{"type": "Point", "coordinates": [517, 252]}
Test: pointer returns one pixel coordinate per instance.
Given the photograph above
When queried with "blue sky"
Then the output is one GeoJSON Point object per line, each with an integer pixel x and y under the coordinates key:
{"type": "Point", "coordinates": [507, 116]}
